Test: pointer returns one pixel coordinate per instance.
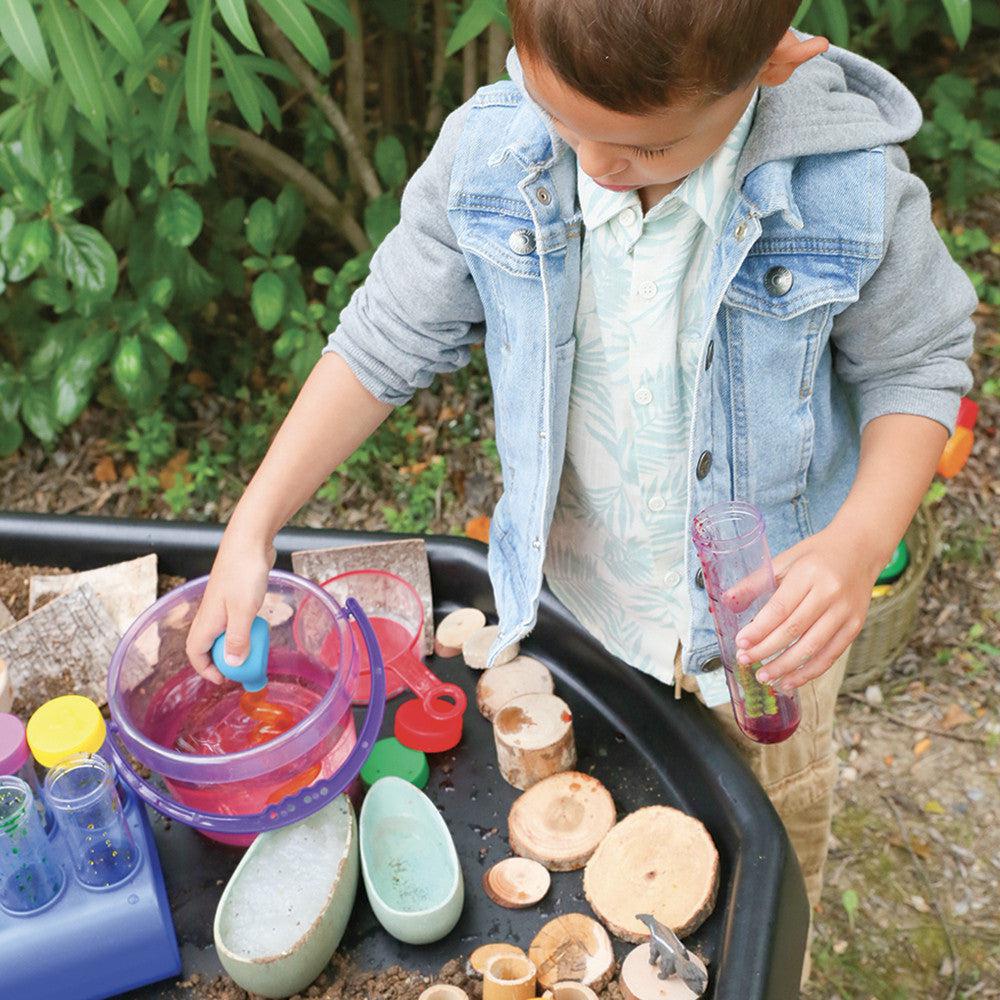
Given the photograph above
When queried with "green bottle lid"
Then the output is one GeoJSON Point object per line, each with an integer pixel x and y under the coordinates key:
{"type": "Point", "coordinates": [390, 757]}
{"type": "Point", "coordinates": [897, 565]}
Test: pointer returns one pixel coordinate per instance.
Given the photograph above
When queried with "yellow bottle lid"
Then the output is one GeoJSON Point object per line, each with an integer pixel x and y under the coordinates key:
{"type": "Point", "coordinates": [65, 726]}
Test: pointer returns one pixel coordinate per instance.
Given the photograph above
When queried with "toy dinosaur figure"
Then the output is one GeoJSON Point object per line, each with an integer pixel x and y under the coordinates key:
{"type": "Point", "coordinates": [666, 950]}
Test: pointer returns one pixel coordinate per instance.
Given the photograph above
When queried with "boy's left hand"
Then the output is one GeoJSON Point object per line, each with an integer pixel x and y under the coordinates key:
{"type": "Point", "coordinates": [824, 589]}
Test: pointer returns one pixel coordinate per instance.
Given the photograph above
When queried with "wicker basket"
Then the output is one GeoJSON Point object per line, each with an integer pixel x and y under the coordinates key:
{"type": "Point", "coordinates": [889, 625]}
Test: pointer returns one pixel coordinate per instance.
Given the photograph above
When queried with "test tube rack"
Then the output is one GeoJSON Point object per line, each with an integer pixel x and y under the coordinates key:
{"type": "Point", "coordinates": [87, 944]}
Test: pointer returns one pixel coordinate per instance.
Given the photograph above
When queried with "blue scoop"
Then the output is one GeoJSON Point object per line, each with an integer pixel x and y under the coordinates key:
{"type": "Point", "coordinates": [252, 672]}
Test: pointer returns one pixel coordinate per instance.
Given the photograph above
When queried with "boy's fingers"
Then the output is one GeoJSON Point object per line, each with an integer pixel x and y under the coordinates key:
{"type": "Point", "coordinates": [783, 602]}
{"type": "Point", "coordinates": [821, 662]}
{"type": "Point", "coordinates": [237, 645]}
{"type": "Point", "coordinates": [791, 630]}
{"type": "Point", "coordinates": [205, 627]}
{"type": "Point", "coordinates": [804, 652]}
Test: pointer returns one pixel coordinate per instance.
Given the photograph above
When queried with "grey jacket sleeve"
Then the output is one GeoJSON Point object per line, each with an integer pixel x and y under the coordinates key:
{"type": "Point", "coordinates": [419, 310]}
{"type": "Point", "coordinates": [902, 347]}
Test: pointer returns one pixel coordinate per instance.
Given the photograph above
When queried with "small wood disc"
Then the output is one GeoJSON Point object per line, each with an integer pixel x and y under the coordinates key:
{"type": "Point", "coordinates": [560, 821]}
{"type": "Point", "coordinates": [484, 954]}
{"type": "Point", "coordinates": [442, 991]}
{"type": "Point", "coordinates": [534, 739]}
{"type": "Point", "coordinates": [476, 648]}
{"type": "Point", "coordinates": [500, 685]}
{"type": "Point", "coordinates": [517, 883]}
{"type": "Point", "coordinates": [659, 861]}
{"type": "Point", "coordinates": [455, 628]}
{"type": "Point", "coordinates": [573, 947]}
{"type": "Point", "coordinates": [641, 981]}
{"type": "Point", "coordinates": [570, 991]}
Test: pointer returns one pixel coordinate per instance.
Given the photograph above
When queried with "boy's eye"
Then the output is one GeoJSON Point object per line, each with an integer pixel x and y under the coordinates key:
{"type": "Point", "coordinates": [645, 152]}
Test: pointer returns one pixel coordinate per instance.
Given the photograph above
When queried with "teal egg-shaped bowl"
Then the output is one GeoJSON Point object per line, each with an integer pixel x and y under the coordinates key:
{"type": "Point", "coordinates": [285, 909]}
{"type": "Point", "coordinates": [409, 863]}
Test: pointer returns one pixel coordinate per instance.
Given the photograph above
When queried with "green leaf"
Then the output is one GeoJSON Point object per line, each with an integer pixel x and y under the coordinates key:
{"type": "Point", "coordinates": [66, 27]}
{"type": "Point", "coordinates": [299, 26]}
{"type": "Point", "coordinates": [118, 219]}
{"type": "Point", "coordinates": [128, 369]}
{"type": "Point", "coordinates": [87, 260]}
{"type": "Point", "coordinates": [36, 412]}
{"type": "Point", "coordinates": [19, 28]}
{"type": "Point", "coordinates": [166, 337]}
{"type": "Point", "coordinates": [198, 64]}
{"type": "Point", "coordinates": [113, 21]}
{"type": "Point", "coordinates": [262, 226]}
{"type": "Point", "coordinates": [146, 13]}
{"type": "Point", "coordinates": [338, 12]}
{"type": "Point", "coordinates": [27, 247]}
{"type": "Point", "coordinates": [240, 84]}
{"type": "Point", "coordinates": [986, 152]}
{"type": "Point", "coordinates": [381, 217]}
{"type": "Point", "coordinates": [11, 436]}
{"type": "Point", "coordinates": [475, 19]}
{"type": "Point", "coordinates": [170, 111]}
{"type": "Point", "coordinates": [73, 382]}
{"type": "Point", "coordinates": [267, 300]}
{"type": "Point", "coordinates": [234, 13]}
{"type": "Point", "coordinates": [960, 17]}
{"type": "Point", "coordinates": [291, 217]}
{"type": "Point", "coordinates": [390, 161]}
{"type": "Point", "coordinates": [836, 20]}
{"type": "Point", "coordinates": [850, 902]}
{"type": "Point", "coordinates": [801, 12]}
{"type": "Point", "coordinates": [179, 218]}
{"type": "Point", "coordinates": [121, 163]}
{"type": "Point", "coordinates": [10, 393]}
{"type": "Point", "coordinates": [160, 292]}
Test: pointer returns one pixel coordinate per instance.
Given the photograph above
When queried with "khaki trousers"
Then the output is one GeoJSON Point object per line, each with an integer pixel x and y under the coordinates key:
{"type": "Point", "coordinates": [799, 774]}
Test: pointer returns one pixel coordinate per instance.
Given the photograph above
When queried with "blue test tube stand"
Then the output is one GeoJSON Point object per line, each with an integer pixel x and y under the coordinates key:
{"type": "Point", "coordinates": [88, 944]}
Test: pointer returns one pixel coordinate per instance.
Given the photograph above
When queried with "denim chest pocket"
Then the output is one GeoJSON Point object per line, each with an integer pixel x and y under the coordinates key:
{"type": "Point", "coordinates": [508, 240]}
{"type": "Point", "coordinates": [787, 284]}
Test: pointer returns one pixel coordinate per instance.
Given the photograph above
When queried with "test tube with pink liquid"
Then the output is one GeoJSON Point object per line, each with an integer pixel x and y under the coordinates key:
{"type": "Point", "coordinates": [732, 546]}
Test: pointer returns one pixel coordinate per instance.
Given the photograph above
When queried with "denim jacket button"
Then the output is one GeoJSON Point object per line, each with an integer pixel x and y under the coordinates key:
{"type": "Point", "coordinates": [778, 281]}
{"type": "Point", "coordinates": [522, 241]}
{"type": "Point", "coordinates": [704, 464]}
{"type": "Point", "coordinates": [699, 580]}
{"type": "Point", "coordinates": [713, 664]}
{"type": "Point", "coordinates": [543, 195]}
{"type": "Point", "coordinates": [740, 231]}
{"type": "Point", "coordinates": [709, 354]}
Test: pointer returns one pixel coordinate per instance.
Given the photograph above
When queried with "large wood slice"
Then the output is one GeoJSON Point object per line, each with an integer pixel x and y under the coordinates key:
{"type": "Point", "coordinates": [476, 648]}
{"type": "Point", "coordinates": [502, 684]}
{"type": "Point", "coordinates": [534, 739]}
{"type": "Point", "coordinates": [516, 883]}
{"type": "Point", "coordinates": [641, 981]}
{"type": "Point", "coordinates": [560, 821]}
{"type": "Point", "coordinates": [657, 860]}
{"type": "Point", "coordinates": [454, 629]}
{"type": "Point", "coordinates": [573, 947]}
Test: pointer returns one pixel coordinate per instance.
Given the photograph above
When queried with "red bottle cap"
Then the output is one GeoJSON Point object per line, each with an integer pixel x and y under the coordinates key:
{"type": "Point", "coordinates": [968, 413]}
{"type": "Point", "coordinates": [417, 729]}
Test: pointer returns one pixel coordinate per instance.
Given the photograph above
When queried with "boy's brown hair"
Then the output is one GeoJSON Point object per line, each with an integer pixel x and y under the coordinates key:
{"type": "Point", "coordinates": [637, 56]}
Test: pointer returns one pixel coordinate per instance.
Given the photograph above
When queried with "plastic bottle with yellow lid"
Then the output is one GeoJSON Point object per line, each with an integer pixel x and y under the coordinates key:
{"type": "Point", "coordinates": [64, 726]}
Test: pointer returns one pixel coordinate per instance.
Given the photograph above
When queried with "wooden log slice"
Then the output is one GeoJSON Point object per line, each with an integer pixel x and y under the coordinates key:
{"type": "Point", "coordinates": [560, 821]}
{"type": "Point", "coordinates": [573, 947]}
{"type": "Point", "coordinates": [476, 648]}
{"type": "Point", "coordinates": [641, 981]}
{"type": "Point", "coordinates": [455, 628]}
{"type": "Point", "coordinates": [485, 953]}
{"type": "Point", "coordinates": [516, 883]}
{"type": "Point", "coordinates": [500, 685]}
{"type": "Point", "coordinates": [509, 977]}
{"type": "Point", "coordinates": [442, 991]}
{"type": "Point", "coordinates": [534, 739]}
{"type": "Point", "coordinates": [570, 991]}
{"type": "Point", "coordinates": [657, 860]}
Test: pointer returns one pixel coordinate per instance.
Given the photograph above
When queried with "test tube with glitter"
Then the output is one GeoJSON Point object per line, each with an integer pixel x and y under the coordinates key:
{"type": "Point", "coordinates": [81, 793]}
{"type": "Point", "coordinates": [30, 876]}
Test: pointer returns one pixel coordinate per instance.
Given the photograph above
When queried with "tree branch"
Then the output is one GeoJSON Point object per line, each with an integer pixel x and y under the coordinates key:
{"type": "Point", "coordinates": [470, 69]}
{"type": "Point", "coordinates": [497, 45]}
{"type": "Point", "coordinates": [435, 111]}
{"type": "Point", "coordinates": [281, 167]}
{"type": "Point", "coordinates": [352, 143]}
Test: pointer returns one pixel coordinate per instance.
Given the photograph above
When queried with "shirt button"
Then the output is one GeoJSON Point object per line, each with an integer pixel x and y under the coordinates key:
{"type": "Point", "coordinates": [627, 216]}
{"type": "Point", "coordinates": [704, 464]}
{"type": "Point", "coordinates": [647, 289]}
{"type": "Point", "coordinates": [656, 504]}
{"type": "Point", "coordinates": [672, 578]}
{"type": "Point", "coordinates": [642, 396]}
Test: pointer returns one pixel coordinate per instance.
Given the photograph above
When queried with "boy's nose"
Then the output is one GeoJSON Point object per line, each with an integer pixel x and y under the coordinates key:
{"type": "Point", "coordinates": [601, 161]}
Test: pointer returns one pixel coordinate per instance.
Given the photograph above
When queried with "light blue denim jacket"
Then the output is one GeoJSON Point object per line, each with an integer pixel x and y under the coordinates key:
{"type": "Point", "coordinates": [832, 301]}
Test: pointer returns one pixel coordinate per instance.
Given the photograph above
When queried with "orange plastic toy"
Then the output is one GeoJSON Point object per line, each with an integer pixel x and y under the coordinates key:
{"type": "Point", "coordinates": [959, 447]}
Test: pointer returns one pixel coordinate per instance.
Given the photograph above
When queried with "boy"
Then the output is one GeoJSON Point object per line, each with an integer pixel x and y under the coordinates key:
{"type": "Point", "coordinates": [715, 218]}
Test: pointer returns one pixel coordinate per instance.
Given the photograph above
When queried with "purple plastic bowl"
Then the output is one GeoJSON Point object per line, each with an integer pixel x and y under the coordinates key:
{"type": "Point", "coordinates": [151, 686]}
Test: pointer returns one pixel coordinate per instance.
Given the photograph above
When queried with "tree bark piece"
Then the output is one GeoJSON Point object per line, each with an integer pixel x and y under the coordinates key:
{"type": "Point", "coordinates": [517, 883]}
{"type": "Point", "coordinates": [573, 947]}
{"type": "Point", "coordinates": [484, 954]}
{"type": "Point", "coordinates": [502, 684]}
{"type": "Point", "coordinates": [657, 860]}
{"type": "Point", "coordinates": [476, 648]}
{"type": "Point", "coordinates": [6, 618]}
{"type": "Point", "coordinates": [509, 977]}
{"type": "Point", "coordinates": [454, 629]}
{"type": "Point", "coordinates": [560, 821]}
{"type": "Point", "coordinates": [640, 980]}
{"type": "Point", "coordinates": [6, 692]}
{"type": "Point", "coordinates": [534, 739]}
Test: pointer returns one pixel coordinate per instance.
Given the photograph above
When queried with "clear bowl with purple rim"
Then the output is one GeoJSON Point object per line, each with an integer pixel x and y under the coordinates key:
{"type": "Point", "coordinates": [191, 750]}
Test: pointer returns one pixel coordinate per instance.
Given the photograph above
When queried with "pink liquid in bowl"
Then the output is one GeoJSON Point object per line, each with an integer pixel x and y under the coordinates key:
{"type": "Point", "coordinates": [197, 718]}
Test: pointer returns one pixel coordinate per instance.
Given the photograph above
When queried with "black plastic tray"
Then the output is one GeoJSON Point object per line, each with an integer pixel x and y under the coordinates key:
{"type": "Point", "coordinates": [630, 733]}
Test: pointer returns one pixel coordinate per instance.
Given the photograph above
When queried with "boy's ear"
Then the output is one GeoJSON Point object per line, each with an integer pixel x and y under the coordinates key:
{"type": "Point", "coordinates": [789, 54]}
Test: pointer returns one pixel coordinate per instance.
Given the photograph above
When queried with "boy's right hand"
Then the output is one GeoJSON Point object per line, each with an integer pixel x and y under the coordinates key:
{"type": "Point", "coordinates": [233, 596]}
